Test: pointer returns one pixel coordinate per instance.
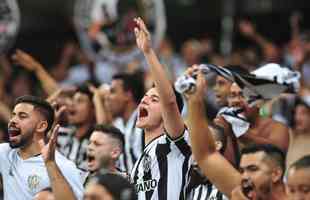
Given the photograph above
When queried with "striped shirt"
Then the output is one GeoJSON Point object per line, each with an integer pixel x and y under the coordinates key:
{"type": "Point", "coordinates": [73, 148]}
{"type": "Point", "coordinates": [200, 188]}
{"type": "Point", "coordinates": [161, 171]}
{"type": "Point", "coordinates": [134, 142]}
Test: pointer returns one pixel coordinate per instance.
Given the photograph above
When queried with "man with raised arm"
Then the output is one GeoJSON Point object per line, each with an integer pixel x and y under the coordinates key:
{"type": "Point", "coordinates": [161, 170]}
{"type": "Point", "coordinates": [261, 166]}
{"type": "Point", "coordinates": [26, 165]}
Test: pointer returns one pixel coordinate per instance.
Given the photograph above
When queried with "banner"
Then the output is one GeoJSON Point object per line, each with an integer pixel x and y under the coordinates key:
{"type": "Point", "coordinates": [9, 24]}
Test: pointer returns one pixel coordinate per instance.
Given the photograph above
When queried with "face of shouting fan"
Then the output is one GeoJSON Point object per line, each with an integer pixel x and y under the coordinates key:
{"type": "Point", "coordinates": [149, 111]}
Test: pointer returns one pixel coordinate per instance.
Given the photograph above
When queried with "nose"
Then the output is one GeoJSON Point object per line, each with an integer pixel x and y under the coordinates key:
{"type": "Point", "coordinates": [13, 120]}
{"type": "Point", "coordinates": [245, 176]}
{"type": "Point", "coordinates": [145, 100]}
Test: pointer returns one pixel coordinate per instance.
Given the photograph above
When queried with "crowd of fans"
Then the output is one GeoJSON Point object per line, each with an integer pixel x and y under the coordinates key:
{"type": "Point", "coordinates": [129, 135]}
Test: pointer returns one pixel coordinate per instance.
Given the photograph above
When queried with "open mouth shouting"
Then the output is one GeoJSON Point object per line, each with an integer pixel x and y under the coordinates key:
{"type": "Point", "coordinates": [143, 112]}
{"type": "Point", "coordinates": [14, 132]}
{"type": "Point", "coordinates": [91, 162]}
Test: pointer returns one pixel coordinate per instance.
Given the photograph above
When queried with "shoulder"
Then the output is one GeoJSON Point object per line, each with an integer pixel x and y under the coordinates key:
{"type": "Point", "coordinates": [4, 147]}
{"type": "Point", "coordinates": [64, 162]}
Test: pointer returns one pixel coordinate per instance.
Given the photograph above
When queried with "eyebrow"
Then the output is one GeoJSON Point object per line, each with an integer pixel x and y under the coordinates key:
{"type": "Point", "coordinates": [153, 96]}
{"type": "Point", "coordinates": [248, 166]}
{"type": "Point", "coordinates": [19, 113]}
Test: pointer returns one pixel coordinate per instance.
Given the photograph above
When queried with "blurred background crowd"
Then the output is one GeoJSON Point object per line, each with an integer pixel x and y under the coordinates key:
{"type": "Point", "coordinates": [246, 33]}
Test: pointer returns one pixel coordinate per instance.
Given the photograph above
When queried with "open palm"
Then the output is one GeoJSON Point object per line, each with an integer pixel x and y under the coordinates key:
{"type": "Point", "coordinates": [143, 37]}
{"type": "Point", "coordinates": [48, 150]}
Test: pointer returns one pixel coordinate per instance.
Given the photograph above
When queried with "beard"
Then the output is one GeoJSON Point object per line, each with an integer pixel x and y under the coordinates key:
{"type": "Point", "coordinates": [24, 140]}
{"type": "Point", "coordinates": [264, 190]}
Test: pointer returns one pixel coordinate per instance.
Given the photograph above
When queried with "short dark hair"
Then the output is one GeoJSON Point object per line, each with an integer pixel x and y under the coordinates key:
{"type": "Point", "coordinates": [272, 151]}
{"type": "Point", "coordinates": [112, 132]}
{"type": "Point", "coordinates": [118, 186]}
{"type": "Point", "coordinates": [133, 83]}
{"type": "Point", "coordinates": [84, 89]}
{"type": "Point", "coordinates": [220, 135]}
{"type": "Point", "coordinates": [44, 108]}
{"type": "Point", "coordinates": [302, 163]}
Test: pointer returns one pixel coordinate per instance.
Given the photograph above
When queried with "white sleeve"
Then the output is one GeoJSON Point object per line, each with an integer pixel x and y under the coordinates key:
{"type": "Point", "coordinates": [4, 156]}
{"type": "Point", "coordinates": [73, 175]}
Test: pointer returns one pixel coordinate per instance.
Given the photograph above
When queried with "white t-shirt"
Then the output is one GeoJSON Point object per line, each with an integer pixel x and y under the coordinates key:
{"type": "Point", "coordinates": [22, 179]}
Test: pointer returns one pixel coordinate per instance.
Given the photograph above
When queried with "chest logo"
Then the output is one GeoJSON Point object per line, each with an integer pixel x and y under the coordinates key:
{"type": "Point", "coordinates": [33, 182]}
{"type": "Point", "coordinates": [147, 162]}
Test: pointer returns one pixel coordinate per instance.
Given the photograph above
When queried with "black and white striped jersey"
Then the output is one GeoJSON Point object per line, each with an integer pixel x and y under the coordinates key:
{"type": "Point", "coordinates": [200, 188]}
{"type": "Point", "coordinates": [73, 148]}
{"type": "Point", "coordinates": [134, 142]}
{"type": "Point", "coordinates": [161, 171]}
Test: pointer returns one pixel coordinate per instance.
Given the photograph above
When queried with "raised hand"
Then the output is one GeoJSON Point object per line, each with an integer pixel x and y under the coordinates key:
{"type": "Point", "coordinates": [143, 36]}
{"type": "Point", "coordinates": [26, 60]}
{"type": "Point", "coordinates": [48, 150]}
{"type": "Point", "coordinates": [247, 28]}
{"type": "Point", "coordinates": [201, 83]}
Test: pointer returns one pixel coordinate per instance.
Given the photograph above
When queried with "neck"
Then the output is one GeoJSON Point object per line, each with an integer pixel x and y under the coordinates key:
{"type": "Point", "coordinates": [30, 151]}
{"type": "Point", "coordinates": [150, 134]}
{"type": "Point", "coordinates": [109, 168]}
{"type": "Point", "coordinates": [130, 108]}
{"type": "Point", "coordinates": [278, 192]}
{"type": "Point", "coordinates": [82, 130]}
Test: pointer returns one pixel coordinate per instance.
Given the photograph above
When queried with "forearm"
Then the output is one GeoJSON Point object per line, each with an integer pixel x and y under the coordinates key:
{"type": "Point", "coordinates": [160, 78]}
{"type": "Point", "coordinates": [60, 186]}
{"type": "Point", "coordinates": [248, 138]}
{"type": "Point", "coordinates": [214, 165]}
{"type": "Point", "coordinates": [48, 83]}
{"type": "Point", "coordinates": [260, 40]}
{"type": "Point", "coordinates": [172, 118]}
{"type": "Point", "coordinates": [5, 112]}
{"type": "Point", "coordinates": [202, 141]}
{"type": "Point", "coordinates": [103, 116]}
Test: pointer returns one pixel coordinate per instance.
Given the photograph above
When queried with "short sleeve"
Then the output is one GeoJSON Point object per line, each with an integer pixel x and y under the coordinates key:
{"type": "Point", "coordinates": [4, 155]}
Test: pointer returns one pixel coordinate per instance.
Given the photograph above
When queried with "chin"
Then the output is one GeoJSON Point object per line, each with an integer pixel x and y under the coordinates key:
{"type": "Point", "coordinates": [14, 145]}
{"type": "Point", "coordinates": [140, 125]}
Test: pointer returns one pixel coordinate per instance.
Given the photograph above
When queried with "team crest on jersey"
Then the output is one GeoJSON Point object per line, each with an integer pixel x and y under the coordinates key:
{"type": "Point", "coordinates": [33, 182]}
{"type": "Point", "coordinates": [147, 162]}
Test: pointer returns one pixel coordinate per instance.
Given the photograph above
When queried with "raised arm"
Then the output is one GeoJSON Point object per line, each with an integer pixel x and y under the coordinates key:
{"type": "Point", "coordinates": [103, 116]}
{"type": "Point", "coordinates": [214, 166]}
{"type": "Point", "coordinates": [172, 118]}
{"type": "Point", "coordinates": [279, 136]}
{"type": "Point", "coordinates": [248, 30]}
{"type": "Point", "coordinates": [28, 62]}
{"type": "Point", "coordinates": [60, 186]}
{"type": "Point", "coordinates": [5, 112]}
